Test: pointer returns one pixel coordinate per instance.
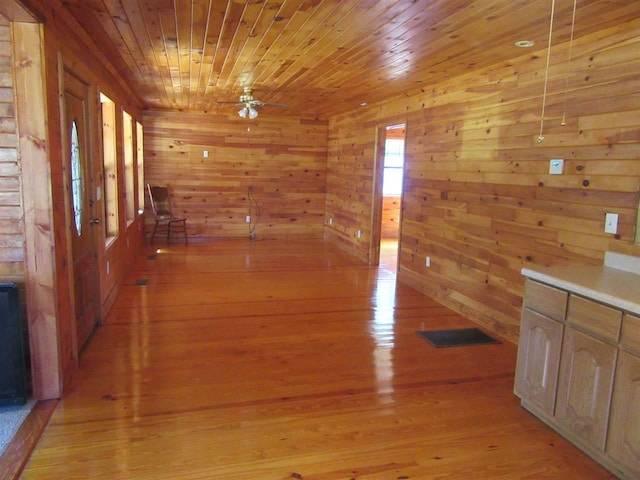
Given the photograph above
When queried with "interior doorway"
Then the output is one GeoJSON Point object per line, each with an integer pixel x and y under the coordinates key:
{"type": "Point", "coordinates": [392, 182]}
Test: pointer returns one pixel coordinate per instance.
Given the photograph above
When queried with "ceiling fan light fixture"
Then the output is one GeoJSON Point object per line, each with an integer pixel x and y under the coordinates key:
{"type": "Point", "coordinates": [248, 111]}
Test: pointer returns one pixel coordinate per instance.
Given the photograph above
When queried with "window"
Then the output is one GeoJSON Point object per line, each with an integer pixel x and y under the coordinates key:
{"type": "Point", "coordinates": [140, 160]}
{"type": "Point", "coordinates": [393, 163]}
{"type": "Point", "coordinates": [129, 173]}
{"type": "Point", "coordinates": [77, 186]}
{"type": "Point", "coordinates": [109, 167]}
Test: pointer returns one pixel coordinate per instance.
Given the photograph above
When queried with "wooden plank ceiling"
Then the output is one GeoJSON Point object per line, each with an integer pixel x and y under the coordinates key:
{"type": "Point", "coordinates": [321, 57]}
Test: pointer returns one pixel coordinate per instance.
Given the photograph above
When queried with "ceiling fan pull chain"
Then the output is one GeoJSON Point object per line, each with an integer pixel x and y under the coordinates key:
{"type": "Point", "coordinates": [566, 87]}
{"type": "Point", "coordinates": [546, 73]}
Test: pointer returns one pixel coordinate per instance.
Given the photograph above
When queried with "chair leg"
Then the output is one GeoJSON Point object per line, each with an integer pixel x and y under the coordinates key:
{"type": "Point", "coordinates": [153, 234]}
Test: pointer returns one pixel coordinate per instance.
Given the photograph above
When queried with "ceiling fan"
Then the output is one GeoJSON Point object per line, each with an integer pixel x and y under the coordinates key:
{"type": "Point", "coordinates": [250, 104]}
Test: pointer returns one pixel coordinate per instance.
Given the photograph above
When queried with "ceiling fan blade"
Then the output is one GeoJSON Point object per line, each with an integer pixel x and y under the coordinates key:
{"type": "Point", "coordinates": [280, 105]}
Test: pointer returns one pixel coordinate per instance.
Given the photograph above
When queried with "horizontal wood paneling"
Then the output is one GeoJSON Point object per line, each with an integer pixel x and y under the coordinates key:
{"type": "Point", "coordinates": [478, 198]}
{"type": "Point", "coordinates": [11, 214]}
{"type": "Point", "coordinates": [283, 161]}
{"type": "Point", "coordinates": [390, 217]}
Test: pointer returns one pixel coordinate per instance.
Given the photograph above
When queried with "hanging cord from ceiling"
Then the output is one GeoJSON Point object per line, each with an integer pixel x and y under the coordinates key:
{"type": "Point", "coordinates": [566, 86]}
{"type": "Point", "coordinates": [546, 73]}
{"type": "Point", "coordinates": [253, 203]}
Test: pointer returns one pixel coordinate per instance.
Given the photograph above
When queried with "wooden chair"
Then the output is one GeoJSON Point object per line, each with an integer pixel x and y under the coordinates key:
{"type": "Point", "coordinates": [165, 221]}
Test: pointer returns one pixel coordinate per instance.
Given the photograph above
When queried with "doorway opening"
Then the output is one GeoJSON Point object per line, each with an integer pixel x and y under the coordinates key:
{"type": "Point", "coordinates": [392, 181]}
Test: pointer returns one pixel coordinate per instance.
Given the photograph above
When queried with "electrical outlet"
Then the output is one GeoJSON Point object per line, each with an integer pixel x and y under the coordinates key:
{"type": "Point", "coordinates": [330, 221]}
{"type": "Point", "coordinates": [427, 262]}
{"type": "Point", "coordinates": [205, 154]}
{"type": "Point", "coordinates": [359, 234]}
{"type": "Point", "coordinates": [247, 219]}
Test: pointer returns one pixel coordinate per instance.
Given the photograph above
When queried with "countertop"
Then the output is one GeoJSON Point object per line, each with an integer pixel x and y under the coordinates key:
{"type": "Point", "coordinates": [613, 286]}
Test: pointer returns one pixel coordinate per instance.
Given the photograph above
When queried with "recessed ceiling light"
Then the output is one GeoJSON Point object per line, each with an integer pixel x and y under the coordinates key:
{"type": "Point", "coordinates": [525, 43]}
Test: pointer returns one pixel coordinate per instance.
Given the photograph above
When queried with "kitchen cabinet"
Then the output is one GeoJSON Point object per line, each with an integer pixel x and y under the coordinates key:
{"type": "Point", "coordinates": [578, 370]}
{"type": "Point", "coordinates": [585, 383]}
{"type": "Point", "coordinates": [623, 443]}
{"type": "Point", "coordinates": [538, 360]}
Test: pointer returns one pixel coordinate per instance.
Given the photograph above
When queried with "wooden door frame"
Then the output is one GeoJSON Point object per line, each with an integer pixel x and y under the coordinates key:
{"type": "Point", "coordinates": [377, 194]}
{"type": "Point", "coordinates": [376, 197]}
{"type": "Point", "coordinates": [91, 178]}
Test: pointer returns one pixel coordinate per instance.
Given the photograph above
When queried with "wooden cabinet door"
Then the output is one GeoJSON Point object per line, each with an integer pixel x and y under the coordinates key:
{"type": "Point", "coordinates": [584, 386]}
{"type": "Point", "coordinates": [538, 360]}
{"type": "Point", "coordinates": [624, 430]}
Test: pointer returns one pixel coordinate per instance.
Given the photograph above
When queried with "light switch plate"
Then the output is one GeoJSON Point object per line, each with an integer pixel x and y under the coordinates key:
{"type": "Point", "coordinates": [611, 223]}
{"type": "Point", "coordinates": [556, 166]}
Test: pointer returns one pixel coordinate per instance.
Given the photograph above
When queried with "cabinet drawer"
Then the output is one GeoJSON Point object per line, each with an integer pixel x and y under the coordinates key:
{"type": "Point", "coordinates": [544, 299]}
{"type": "Point", "coordinates": [595, 318]}
{"type": "Point", "coordinates": [630, 337]}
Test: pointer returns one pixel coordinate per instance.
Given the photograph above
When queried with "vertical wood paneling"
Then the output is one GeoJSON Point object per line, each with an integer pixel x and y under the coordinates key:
{"type": "Point", "coordinates": [282, 160]}
{"type": "Point", "coordinates": [478, 197]}
{"type": "Point", "coordinates": [43, 305]}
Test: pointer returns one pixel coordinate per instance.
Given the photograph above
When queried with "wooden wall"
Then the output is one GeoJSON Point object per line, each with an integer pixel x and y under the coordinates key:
{"type": "Point", "coordinates": [282, 160]}
{"type": "Point", "coordinates": [478, 198]}
{"type": "Point", "coordinates": [43, 53]}
{"type": "Point", "coordinates": [11, 226]}
{"type": "Point", "coordinates": [390, 217]}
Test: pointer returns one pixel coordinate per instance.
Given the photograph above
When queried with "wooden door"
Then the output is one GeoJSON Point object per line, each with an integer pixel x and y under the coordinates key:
{"type": "Point", "coordinates": [81, 207]}
{"type": "Point", "coordinates": [584, 387]}
{"type": "Point", "coordinates": [538, 361]}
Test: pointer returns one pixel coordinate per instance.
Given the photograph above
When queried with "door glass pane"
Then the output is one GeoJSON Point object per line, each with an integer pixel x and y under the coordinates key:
{"type": "Point", "coordinates": [76, 178]}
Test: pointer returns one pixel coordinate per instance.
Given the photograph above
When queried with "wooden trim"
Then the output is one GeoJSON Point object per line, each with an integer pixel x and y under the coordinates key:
{"type": "Point", "coordinates": [15, 457]}
{"type": "Point", "coordinates": [637, 240]}
{"type": "Point", "coordinates": [376, 196]}
{"type": "Point", "coordinates": [31, 109]}
{"type": "Point", "coordinates": [15, 12]}
{"type": "Point", "coordinates": [67, 206]}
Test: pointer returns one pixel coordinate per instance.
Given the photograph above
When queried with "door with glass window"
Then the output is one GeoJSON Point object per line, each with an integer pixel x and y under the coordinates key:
{"type": "Point", "coordinates": [81, 208]}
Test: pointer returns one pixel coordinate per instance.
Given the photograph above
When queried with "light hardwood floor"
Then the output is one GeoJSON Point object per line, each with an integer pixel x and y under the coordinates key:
{"type": "Point", "coordinates": [289, 360]}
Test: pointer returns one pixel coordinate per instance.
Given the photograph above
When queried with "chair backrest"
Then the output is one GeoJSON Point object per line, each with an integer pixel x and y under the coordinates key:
{"type": "Point", "coordinates": [160, 202]}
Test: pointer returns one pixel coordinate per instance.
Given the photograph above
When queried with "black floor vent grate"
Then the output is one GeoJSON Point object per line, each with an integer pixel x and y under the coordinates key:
{"type": "Point", "coordinates": [457, 338]}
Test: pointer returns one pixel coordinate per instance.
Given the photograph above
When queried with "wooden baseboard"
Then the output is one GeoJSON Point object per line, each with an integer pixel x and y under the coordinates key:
{"type": "Point", "coordinates": [17, 454]}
